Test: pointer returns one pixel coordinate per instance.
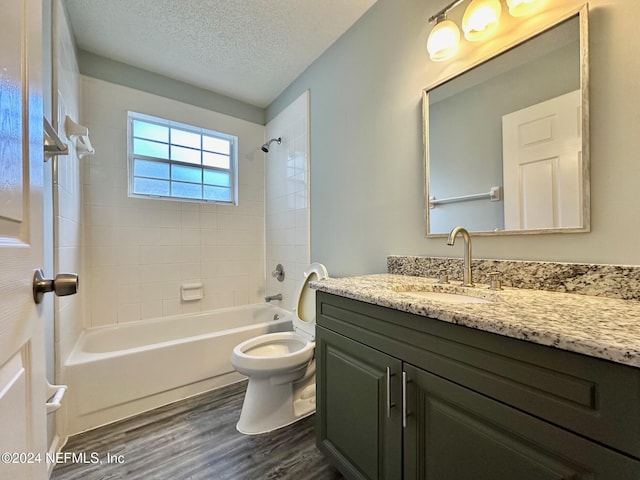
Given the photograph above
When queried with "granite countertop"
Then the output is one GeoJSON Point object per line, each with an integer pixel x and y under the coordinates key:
{"type": "Point", "coordinates": [600, 327]}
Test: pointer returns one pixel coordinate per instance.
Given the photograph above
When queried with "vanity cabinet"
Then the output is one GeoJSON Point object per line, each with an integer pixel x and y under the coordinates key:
{"type": "Point", "coordinates": [401, 396]}
{"type": "Point", "coordinates": [361, 425]}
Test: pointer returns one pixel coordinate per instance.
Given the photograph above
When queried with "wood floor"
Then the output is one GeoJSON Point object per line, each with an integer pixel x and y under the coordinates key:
{"type": "Point", "coordinates": [195, 439]}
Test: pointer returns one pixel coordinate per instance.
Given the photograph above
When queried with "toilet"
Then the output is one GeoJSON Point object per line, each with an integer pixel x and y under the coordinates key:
{"type": "Point", "coordinates": [281, 367]}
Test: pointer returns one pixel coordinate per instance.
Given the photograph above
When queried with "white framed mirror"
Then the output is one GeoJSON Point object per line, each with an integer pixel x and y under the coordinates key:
{"type": "Point", "coordinates": [507, 141]}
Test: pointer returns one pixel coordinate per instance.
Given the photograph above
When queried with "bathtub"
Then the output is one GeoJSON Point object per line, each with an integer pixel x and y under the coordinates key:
{"type": "Point", "coordinates": [117, 371]}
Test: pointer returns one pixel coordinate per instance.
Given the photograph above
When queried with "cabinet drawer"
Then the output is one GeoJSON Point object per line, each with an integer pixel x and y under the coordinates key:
{"type": "Point", "coordinates": [589, 396]}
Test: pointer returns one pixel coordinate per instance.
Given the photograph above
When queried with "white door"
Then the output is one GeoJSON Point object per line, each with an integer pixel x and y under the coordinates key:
{"type": "Point", "coordinates": [22, 378]}
{"type": "Point", "coordinates": [542, 165]}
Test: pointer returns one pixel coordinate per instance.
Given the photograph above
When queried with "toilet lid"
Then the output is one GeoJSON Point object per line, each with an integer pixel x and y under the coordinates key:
{"type": "Point", "coordinates": [304, 312]}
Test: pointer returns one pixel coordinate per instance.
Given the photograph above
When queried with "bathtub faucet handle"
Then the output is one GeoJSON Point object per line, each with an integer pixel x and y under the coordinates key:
{"type": "Point", "coordinates": [278, 273]}
{"type": "Point", "coordinates": [277, 296]}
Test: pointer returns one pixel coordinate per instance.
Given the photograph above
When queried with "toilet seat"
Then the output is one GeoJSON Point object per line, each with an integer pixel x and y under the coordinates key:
{"type": "Point", "coordinates": [271, 353]}
{"type": "Point", "coordinates": [304, 311]}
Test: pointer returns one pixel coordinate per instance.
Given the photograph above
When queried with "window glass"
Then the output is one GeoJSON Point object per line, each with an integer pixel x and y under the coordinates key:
{"type": "Point", "coordinates": [150, 187]}
{"type": "Point", "coordinates": [150, 131]}
{"type": "Point", "coordinates": [186, 190]}
{"type": "Point", "coordinates": [217, 193]}
{"type": "Point", "coordinates": [186, 174]}
{"type": "Point", "coordinates": [150, 149]}
{"type": "Point", "coordinates": [174, 160]}
{"type": "Point", "coordinates": [217, 145]}
{"type": "Point", "coordinates": [188, 139]}
{"type": "Point", "coordinates": [213, 177]}
{"type": "Point", "coordinates": [215, 160]}
{"type": "Point", "coordinates": [183, 154]}
{"type": "Point", "coordinates": [149, 169]}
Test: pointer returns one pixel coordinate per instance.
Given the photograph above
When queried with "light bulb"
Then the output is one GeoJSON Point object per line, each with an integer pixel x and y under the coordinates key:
{"type": "Point", "coordinates": [481, 19]}
{"type": "Point", "coordinates": [520, 8]}
{"type": "Point", "coordinates": [443, 40]}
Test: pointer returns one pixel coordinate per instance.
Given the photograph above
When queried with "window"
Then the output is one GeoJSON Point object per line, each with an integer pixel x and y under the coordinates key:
{"type": "Point", "coordinates": [172, 160]}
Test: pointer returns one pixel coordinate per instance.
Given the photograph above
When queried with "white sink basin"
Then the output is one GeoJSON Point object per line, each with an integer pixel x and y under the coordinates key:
{"type": "Point", "coordinates": [448, 297]}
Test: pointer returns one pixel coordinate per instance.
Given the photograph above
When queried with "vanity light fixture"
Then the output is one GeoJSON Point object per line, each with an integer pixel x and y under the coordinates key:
{"type": "Point", "coordinates": [480, 19]}
{"type": "Point", "coordinates": [520, 8]}
{"type": "Point", "coordinates": [444, 39]}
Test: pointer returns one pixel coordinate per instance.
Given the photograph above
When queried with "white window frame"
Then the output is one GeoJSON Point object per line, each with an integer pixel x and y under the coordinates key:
{"type": "Point", "coordinates": [233, 158]}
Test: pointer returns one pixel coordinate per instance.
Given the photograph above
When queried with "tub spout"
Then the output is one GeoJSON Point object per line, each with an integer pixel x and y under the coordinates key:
{"type": "Point", "coordinates": [277, 296]}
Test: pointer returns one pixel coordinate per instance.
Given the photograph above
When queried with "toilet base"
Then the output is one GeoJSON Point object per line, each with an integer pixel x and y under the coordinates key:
{"type": "Point", "coordinates": [268, 407]}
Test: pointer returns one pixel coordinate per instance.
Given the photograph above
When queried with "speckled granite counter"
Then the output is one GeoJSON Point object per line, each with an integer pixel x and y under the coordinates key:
{"type": "Point", "coordinates": [613, 281]}
{"type": "Point", "coordinates": [600, 327]}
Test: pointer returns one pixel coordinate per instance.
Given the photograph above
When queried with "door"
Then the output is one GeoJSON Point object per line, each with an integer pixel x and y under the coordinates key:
{"type": "Point", "coordinates": [542, 165]}
{"type": "Point", "coordinates": [22, 378]}
{"type": "Point", "coordinates": [454, 433]}
{"type": "Point", "coordinates": [358, 410]}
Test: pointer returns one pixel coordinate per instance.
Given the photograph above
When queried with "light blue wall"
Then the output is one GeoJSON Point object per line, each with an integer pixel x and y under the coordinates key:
{"type": "Point", "coordinates": [366, 139]}
{"type": "Point", "coordinates": [367, 174]}
{"type": "Point", "coordinates": [109, 70]}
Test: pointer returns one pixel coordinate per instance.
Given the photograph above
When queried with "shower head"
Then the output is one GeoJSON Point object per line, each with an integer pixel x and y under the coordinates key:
{"type": "Point", "coordinates": [265, 147]}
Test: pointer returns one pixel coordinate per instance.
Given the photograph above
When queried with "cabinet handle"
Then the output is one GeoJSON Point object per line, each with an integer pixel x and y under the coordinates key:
{"type": "Point", "coordinates": [404, 399]}
{"type": "Point", "coordinates": [389, 404]}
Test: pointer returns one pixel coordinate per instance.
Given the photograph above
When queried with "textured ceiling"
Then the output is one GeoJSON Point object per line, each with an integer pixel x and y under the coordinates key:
{"type": "Point", "coordinates": [250, 50]}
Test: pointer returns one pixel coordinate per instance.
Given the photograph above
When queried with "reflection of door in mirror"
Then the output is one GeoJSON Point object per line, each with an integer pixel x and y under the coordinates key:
{"type": "Point", "coordinates": [542, 146]}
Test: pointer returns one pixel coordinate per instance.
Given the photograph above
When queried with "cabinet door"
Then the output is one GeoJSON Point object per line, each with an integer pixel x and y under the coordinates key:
{"type": "Point", "coordinates": [454, 433]}
{"type": "Point", "coordinates": [358, 409]}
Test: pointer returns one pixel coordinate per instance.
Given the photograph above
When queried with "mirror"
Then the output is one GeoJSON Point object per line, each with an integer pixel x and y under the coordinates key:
{"type": "Point", "coordinates": [506, 142]}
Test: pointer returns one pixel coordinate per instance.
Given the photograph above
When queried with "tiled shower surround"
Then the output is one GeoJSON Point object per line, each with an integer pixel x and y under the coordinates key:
{"type": "Point", "coordinates": [67, 188]}
{"type": "Point", "coordinates": [613, 281]}
{"type": "Point", "coordinates": [286, 197]}
{"type": "Point", "coordinates": [139, 251]}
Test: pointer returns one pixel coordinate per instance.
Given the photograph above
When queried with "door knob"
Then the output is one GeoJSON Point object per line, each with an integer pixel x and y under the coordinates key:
{"type": "Point", "coordinates": [64, 284]}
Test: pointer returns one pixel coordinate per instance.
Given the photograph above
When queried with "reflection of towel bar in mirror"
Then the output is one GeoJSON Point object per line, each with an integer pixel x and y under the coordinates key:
{"type": "Point", "coordinates": [81, 135]}
{"type": "Point", "coordinates": [52, 143]}
{"type": "Point", "coordinates": [495, 195]}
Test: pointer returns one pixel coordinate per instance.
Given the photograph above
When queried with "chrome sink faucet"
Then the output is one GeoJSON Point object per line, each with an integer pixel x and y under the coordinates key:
{"type": "Point", "coordinates": [467, 280]}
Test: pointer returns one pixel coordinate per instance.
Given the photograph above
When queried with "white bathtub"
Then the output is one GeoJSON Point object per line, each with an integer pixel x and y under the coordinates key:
{"type": "Point", "coordinates": [117, 371]}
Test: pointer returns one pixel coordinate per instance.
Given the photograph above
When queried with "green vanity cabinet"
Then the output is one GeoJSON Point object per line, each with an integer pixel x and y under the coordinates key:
{"type": "Point", "coordinates": [466, 413]}
{"type": "Point", "coordinates": [361, 428]}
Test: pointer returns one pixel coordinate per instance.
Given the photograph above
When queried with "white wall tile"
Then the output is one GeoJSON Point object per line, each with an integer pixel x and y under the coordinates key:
{"type": "Point", "coordinates": [286, 192]}
{"type": "Point", "coordinates": [171, 289]}
{"type": "Point", "coordinates": [128, 294]}
{"type": "Point", "coordinates": [151, 309]}
{"type": "Point", "coordinates": [171, 236]}
{"type": "Point", "coordinates": [153, 255]}
{"type": "Point", "coordinates": [129, 275]}
{"type": "Point", "coordinates": [151, 293]}
{"type": "Point", "coordinates": [154, 245]}
{"type": "Point", "coordinates": [171, 306]}
{"type": "Point", "coordinates": [150, 247]}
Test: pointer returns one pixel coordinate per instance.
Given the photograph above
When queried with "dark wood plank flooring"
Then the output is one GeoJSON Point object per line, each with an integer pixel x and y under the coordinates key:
{"type": "Point", "coordinates": [196, 439]}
